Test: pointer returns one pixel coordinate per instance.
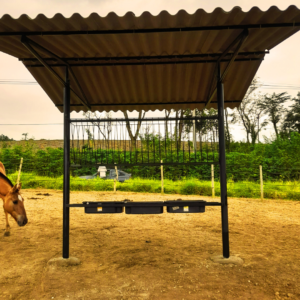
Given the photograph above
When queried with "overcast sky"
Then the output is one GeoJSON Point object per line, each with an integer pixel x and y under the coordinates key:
{"type": "Point", "coordinates": [23, 104]}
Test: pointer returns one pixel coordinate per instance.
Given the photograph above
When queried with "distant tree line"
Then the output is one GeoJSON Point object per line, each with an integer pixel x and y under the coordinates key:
{"type": "Point", "coordinates": [255, 112]}
{"type": "Point", "coordinates": [4, 138]}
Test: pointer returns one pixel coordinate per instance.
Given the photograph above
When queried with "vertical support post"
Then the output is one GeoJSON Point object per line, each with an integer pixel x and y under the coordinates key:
{"type": "Point", "coordinates": [194, 131]}
{"type": "Point", "coordinates": [212, 181]}
{"type": "Point", "coordinates": [66, 183]}
{"type": "Point", "coordinates": [261, 183]}
{"type": "Point", "coordinates": [222, 161]}
{"type": "Point", "coordinates": [162, 176]}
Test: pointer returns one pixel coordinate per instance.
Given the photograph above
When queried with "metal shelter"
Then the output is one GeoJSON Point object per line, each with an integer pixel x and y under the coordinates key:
{"type": "Point", "coordinates": [146, 63]}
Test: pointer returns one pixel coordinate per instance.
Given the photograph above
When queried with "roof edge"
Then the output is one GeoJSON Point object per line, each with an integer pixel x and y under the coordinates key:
{"type": "Point", "coordinates": [132, 14]}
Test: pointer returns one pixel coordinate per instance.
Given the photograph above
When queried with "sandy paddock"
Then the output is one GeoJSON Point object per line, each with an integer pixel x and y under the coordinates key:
{"type": "Point", "coordinates": [152, 256]}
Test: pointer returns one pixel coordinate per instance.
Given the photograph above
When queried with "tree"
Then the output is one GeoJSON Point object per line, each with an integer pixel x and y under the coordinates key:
{"type": "Point", "coordinates": [250, 113]}
{"type": "Point", "coordinates": [105, 128]}
{"type": "Point", "coordinates": [292, 119]}
{"type": "Point", "coordinates": [167, 115]}
{"type": "Point", "coordinates": [134, 136]}
{"type": "Point", "coordinates": [179, 124]}
{"type": "Point", "coordinates": [5, 138]}
{"type": "Point", "coordinates": [204, 127]}
{"type": "Point", "coordinates": [90, 137]}
{"type": "Point", "coordinates": [228, 137]}
{"type": "Point", "coordinates": [273, 107]}
{"type": "Point", "coordinates": [25, 136]}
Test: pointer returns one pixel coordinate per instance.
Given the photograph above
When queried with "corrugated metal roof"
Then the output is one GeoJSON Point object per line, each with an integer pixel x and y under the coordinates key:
{"type": "Point", "coordinates": [112, 85]}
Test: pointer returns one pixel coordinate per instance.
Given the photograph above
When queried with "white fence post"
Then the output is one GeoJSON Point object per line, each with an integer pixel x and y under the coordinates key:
{"type": "Point", "coordinates": [162, 177]}
{"type": "Point", "coordinates": [261, 183]}
{"type": "Point", "coordinates": [212, 181]}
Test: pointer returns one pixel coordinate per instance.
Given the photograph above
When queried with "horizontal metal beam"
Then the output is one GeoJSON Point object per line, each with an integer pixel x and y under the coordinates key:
{"type": "Point", "coordinates": [175, 163]}
{"type": "Point", "coordinates": [130, 104]}
{"type": "Point", "coordinates": [176, 62]}
{"type": "Point", "coordinates": [151, 30]}
{"type": "Point", "coordinates": [118, 58]}
{"type": "Point", "coordinates": [142, 120]}
{"type": "Point", "coordinates": [129, 204]}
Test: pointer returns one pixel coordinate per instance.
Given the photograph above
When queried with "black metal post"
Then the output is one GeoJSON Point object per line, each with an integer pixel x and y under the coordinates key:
{"type": "Point", "coordinates": [66, 191]}
{"type": "Point", "coordinates": [222, 161]}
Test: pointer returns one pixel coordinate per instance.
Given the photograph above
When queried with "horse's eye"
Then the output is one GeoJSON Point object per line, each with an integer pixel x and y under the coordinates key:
{"type": "Point", "coordinates": [15, 202]}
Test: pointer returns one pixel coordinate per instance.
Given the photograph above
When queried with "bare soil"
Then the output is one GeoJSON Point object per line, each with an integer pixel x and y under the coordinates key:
{"type": "Point", "coordinates": [151, 256]}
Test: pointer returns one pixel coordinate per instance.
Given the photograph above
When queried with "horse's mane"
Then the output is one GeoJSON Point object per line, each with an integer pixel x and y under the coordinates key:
{"type": "Point", "coordinates": [6, 179]}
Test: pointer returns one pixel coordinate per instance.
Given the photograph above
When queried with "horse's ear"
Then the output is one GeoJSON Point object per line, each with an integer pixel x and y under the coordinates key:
{"type": "Point", "coordinates": [16, 188]}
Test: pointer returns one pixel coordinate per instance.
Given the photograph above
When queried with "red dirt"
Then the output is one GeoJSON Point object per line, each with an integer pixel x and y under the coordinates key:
{"type": "Point", "coordinates": [174, 263]}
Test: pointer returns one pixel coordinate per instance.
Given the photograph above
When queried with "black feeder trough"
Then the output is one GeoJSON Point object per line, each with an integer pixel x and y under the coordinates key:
{"type": "Point", "coordinates": [179, 206]}
{"type": "Point", "coordinates": [144, 207]}
{"type": "Point", "coordinates": [103, 207]}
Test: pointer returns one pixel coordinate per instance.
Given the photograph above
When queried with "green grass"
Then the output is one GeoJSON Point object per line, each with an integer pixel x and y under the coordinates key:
{"type": "Point", "coordinates": [247, 189]}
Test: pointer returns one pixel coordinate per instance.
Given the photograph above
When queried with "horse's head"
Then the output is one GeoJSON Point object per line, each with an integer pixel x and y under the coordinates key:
{"type": "Point", "coordinates": [14, 205]}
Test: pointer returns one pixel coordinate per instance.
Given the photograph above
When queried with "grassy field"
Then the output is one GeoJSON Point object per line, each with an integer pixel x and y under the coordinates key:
{"type": "Point", "coordinates": [272, 190]}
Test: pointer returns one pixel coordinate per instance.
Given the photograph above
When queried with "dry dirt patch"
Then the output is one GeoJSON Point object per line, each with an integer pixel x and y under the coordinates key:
{"type": "Point", "coordinates": [152, 256]}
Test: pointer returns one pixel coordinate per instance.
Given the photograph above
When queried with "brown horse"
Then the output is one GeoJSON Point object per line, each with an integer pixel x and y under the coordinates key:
{"type": "Point", "coordinates": [13, 202]}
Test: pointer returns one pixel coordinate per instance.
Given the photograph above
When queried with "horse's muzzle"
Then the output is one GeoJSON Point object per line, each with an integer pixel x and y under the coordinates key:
{"type": "Point", "coordinates": [22, 221]}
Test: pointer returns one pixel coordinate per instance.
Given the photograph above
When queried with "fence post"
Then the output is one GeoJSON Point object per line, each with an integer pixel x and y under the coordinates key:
{"type": "Point", "coordinates": [162, 176]}
{"type": "Point", "coordinates": [212, 181]}
{"type": "Point", "coordinates": [261, 183]}
{"type": "Point", "coordinates": [19, 175]}
{"type": "Point", "coordinates": [116, 179]}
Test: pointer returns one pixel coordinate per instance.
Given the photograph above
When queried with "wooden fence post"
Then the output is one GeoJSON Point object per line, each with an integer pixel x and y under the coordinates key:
{"type": "Point", "coordinates": [162, 177]}
{"type": "Point", "coordinates": [116, 179]}
{"type": "Point", "coordinates": [261, 183]}
{"type": "Point", "coordinates": [19, 175]}
{"type": "Point", "coordinates": [212, 181]}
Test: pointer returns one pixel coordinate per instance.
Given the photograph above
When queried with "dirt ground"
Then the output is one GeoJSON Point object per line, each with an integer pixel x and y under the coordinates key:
{"type": "Point", "coordinates": [151, 256]}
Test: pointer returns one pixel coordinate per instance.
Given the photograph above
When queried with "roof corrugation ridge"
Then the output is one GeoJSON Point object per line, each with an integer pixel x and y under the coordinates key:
{"type": "Point", "coordinates": [130, 13]}
{"type": "Point", "coordinates": [116, 110]}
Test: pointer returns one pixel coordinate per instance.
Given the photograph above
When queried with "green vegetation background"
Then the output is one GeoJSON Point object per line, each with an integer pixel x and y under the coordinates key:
{"type": "Point", "coordinates": [280, 160]}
